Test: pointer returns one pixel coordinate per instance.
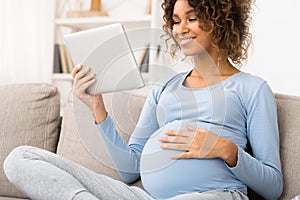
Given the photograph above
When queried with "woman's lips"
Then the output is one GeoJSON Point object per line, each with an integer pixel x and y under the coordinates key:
{"type": "Point", "coordinates": [186, 40]}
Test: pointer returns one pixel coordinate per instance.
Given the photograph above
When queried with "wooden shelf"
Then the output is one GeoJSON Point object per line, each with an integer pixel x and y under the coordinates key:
{"type": "Point", "coordinates": [62, 76]}
{"type": "Point", "coordinates": [90, 22]}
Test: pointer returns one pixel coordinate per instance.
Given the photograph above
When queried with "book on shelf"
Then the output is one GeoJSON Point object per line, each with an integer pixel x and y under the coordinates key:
{"type": "Point", "coordinates": [63, 58]}
{"type": "Point", "coordinates": [143, 61]}
{"type": "Point", "coordinates": [70, 64]}
{"type": "Point", "coordinates": [56, 60]}
{"type": "Point", "coordinates": [62, 61]}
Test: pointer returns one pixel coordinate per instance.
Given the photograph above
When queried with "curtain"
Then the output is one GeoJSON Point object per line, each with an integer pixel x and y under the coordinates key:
{"type": "Point", "coordinates": [26, 40]}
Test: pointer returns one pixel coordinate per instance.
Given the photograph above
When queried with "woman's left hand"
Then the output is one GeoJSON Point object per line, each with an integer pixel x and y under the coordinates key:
{"type": "Point", "coordinates": [200, 143]}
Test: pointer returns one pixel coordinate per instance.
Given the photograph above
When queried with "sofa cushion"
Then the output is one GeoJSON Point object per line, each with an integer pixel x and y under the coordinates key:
{"type": "Point", "coordinates": [80, 140]}
{"type": "Point", "coordinates": [30, 115]}
{"type": "Point", "coordinates": [288, 108]}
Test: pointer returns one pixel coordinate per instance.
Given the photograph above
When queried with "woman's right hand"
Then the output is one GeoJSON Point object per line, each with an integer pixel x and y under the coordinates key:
{"type": "Point", "coordinates": [81, 82]}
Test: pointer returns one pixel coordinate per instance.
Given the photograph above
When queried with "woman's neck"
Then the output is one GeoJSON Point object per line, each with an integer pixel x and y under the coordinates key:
{"type": "Point", "coordinates": [210, 64]}
{"type": "Point", "coordinates": [209, 70]}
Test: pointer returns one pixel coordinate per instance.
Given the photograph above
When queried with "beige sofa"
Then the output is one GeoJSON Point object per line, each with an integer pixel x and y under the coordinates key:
{"type": "Point", "coordinates": [30, 114]}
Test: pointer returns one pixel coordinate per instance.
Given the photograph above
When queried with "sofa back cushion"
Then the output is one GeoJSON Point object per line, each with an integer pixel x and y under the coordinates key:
{"type": "Point", "coordinates": [30, 115]}
{"type": "Point", "coordinates": [80, 140]}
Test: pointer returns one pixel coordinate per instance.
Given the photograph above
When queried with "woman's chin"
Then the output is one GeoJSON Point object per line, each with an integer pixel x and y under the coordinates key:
{"type": "Point", "coordinates": [195, 52]}
{"type": "Point", "coordinates": [192, 49]}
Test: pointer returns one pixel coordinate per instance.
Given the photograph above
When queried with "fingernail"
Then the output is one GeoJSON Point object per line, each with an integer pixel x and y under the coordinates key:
{"type": "Point", "coordinates": [174, 157]}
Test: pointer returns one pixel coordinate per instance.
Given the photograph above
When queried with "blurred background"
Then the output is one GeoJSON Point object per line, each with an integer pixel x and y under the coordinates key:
{"type": "Point", "coordinates": [29, 31]}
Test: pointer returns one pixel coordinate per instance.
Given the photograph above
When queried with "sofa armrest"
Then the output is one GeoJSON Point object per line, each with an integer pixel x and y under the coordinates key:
{"type": "Point", "coordinates": [30, 115]}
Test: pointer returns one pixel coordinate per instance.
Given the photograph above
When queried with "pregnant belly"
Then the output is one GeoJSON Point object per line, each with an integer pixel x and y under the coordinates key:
{"type": "Point", "coordinates": [163, 177]}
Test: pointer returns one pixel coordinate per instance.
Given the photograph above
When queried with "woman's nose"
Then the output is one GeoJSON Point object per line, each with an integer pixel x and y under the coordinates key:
{"type": "Point", "coordinates": [182, 28]}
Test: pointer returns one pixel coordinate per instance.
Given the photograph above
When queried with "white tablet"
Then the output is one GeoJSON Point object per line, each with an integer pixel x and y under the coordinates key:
{"type": "Point", "coordinates": [107, 51]}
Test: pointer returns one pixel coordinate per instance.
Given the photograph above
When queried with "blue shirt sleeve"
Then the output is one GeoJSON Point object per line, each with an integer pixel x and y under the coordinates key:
{"type": "Point", "coordinates": [262, 172]}
{"type": "Point", "coordinates": [126, 157]}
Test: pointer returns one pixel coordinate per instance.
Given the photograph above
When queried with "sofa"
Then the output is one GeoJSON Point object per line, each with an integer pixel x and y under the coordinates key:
{"type": "Point", "coordinates": [31, 115]}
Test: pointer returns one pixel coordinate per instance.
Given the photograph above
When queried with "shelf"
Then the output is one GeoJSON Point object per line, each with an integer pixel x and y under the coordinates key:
{"type": "Point", "coordinates": [62, 76]}
{"type": "Point", "coordinates": [68, 77]}
{"type": "Point", "coordinates": [90, 22]}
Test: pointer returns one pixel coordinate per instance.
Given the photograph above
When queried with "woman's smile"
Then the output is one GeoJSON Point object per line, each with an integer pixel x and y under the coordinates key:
{"type": "Point", "coordinates": [185, 40]}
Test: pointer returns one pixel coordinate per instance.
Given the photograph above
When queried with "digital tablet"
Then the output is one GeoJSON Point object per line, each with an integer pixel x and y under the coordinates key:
{"type": "Point", "coordinates": [107, 51]}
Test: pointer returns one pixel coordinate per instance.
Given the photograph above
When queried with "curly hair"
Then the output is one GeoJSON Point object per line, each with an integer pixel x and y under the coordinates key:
{"type": "Point", "coordinates": [227, 20]}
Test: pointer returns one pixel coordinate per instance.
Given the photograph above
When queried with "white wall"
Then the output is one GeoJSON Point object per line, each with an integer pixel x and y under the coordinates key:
{"type": "Point", "coordinates": [275, 54]}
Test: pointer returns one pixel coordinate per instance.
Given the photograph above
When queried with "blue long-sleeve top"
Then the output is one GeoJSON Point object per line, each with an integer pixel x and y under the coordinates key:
{"type": "Point", "coordinates": [241, 108]}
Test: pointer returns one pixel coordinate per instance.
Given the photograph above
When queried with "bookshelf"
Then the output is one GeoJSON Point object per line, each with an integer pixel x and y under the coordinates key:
{"type": "Point", "coordinates": [91, 22]}
{"type": "Point", "coordinates": [65, 25]}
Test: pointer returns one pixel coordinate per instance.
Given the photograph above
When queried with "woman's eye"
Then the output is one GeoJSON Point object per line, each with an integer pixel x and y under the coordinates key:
{"type": "Point", "coordinates": [192, 19]}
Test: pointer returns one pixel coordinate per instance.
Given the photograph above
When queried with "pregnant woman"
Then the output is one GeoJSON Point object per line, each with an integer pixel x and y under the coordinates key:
{"type": "Point", "coordinates": [190, 141]}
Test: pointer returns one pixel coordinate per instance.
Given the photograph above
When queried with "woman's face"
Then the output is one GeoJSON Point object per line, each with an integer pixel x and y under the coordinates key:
{"type": "Point", "coordinates": [186, 31]}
